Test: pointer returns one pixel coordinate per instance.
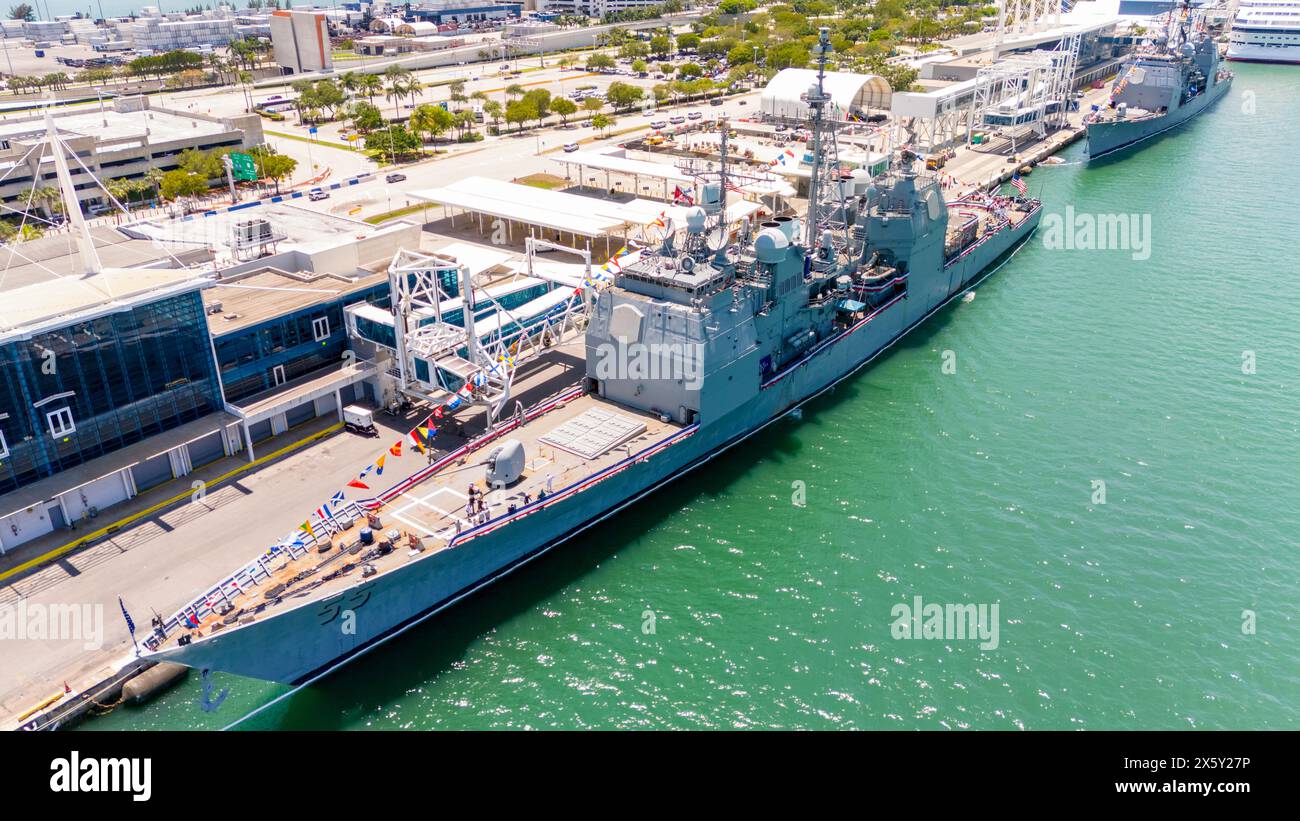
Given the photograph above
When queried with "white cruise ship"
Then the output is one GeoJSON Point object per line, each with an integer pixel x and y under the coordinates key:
{"type": "Point", "coordinates": [1266, 31]}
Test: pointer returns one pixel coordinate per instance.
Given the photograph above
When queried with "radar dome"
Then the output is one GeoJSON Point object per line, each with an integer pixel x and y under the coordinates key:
{"type": "Point", "coordinates": [770, 245]}
{"type": "Point", "coordinates": [695, 220]}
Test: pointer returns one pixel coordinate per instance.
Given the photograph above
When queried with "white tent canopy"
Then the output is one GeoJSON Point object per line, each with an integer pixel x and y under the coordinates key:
{"type": "Point", "coordinates": [848, 92]}
{"type": "Point", "coordinates": [619, 164]}
{"type": "Point", "coordinates": [570, 213]}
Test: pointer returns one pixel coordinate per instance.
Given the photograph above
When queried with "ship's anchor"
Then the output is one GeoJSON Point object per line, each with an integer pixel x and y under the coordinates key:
{"type": "Point", "coordinates": [205, 700]}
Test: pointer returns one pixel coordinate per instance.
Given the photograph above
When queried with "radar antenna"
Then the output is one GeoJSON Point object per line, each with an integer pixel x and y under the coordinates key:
{"type": "Point", "coordinates": [825, 190]}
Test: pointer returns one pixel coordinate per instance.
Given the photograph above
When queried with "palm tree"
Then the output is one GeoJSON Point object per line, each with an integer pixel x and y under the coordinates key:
{"type": "Point", "coordinates": [245, 82]}
{"type": "Point", "coordinates": [48, 199]}
{"type": "Point", "coordinates": [349, 81]}
{"type": "Point", "coordinates": [154, 177]}
{"type": "Point", "coordinates": [493, 109]}
{"type": "Point", "coordinates": [397, 81]}
{"type": "Point", "coordinates": [370, 85]}
{"type": "Point", "coordinates": [414, 88]}
{"type": "Point", "coordinates": [219, 66]}
{"type": "Point", "coordinates": [465, 121]}
{"type": "Point", "coordinates": [396, 91]}
{"type": "Point", "coordinates": [119, 189]}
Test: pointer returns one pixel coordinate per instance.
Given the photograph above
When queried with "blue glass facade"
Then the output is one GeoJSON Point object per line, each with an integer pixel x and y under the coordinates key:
{"type": "Point", "coordinates": [121, 378]}
{"type": "Point", "coordinates": [248, 358]}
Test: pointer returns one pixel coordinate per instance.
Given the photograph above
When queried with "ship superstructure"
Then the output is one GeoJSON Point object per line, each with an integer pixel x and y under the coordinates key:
{"type": "Point", "coordinates": [691, 349]}
{"type": "Point", "coordinates": [1173, 77]}
{"type": "Point", "coordinates": [1265, 31]}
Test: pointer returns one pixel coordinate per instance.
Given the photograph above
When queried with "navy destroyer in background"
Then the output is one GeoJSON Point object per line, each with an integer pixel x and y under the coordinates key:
{"type": "Point", "coordinates": [1172, 79]}
{"type": "Point", "coordinates": [775, 315]}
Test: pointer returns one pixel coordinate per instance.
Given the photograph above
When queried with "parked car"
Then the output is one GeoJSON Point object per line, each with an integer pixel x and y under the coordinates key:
{"type": "Point", "coordinates": [694, 115]}
{"type": "Point", "coordinates": [677, 120]}
{"type": "Point", "coordinates": [317, 194]}
{"type": "Point", "coordinates": [396, 177]}
{"type": "Point", "coordinates": [716, 101]}
{"type": "Point", "coordinates": [658, 124]}
{"type": "Point", "coordinates": [569, 148]}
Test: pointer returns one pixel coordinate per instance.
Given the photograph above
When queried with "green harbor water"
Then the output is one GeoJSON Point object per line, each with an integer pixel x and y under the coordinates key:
{"type": "Point", "coordinates": [719, 603]}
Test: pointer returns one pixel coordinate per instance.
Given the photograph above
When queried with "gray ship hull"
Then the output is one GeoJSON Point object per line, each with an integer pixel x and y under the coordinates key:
{"type": "Point", "coordinates": [304, 643]}
{"type": "Point", "coordinates": [1108, 138]}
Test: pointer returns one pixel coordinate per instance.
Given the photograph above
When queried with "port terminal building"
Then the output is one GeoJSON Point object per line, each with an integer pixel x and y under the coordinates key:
{"type": "Point", "coordinates": [199, 339]}
{"type": "Point", "coordinates": [124, 137]}
{"type": "Point", "coordinates": [958, 88]}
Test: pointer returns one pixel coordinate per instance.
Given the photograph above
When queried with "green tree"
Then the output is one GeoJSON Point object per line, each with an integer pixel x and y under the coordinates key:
{"type": "Point", "coordinates": [370, 85]}
{"type": "Point", "coordinates": [624, 95]}
{"type": "Point", "coordinates": [602, 122]}
{"type": "Point", "coordinates": [599, 62]}
{"type": "Point", "coordinates": [179, 184]}
{"type": "Point", "coordinates": [633, 48]}
{"type": "Point", "coordinates": [457, 90]}
{"type": "Point", "coordinates": [540, 100]}
{"type": "Point", "coordinates": [737, 6]}
{"type": "Point", "coordinates": [465, 121]}
{"type": "Point", "coordinates": [565, 108]}
{"type": "Point", "coordinates": [393, 142]}
{"type": "Point", "coordinates": [272, 166]}
{"type": "Point", "coordinates": [493, 110]}
{"type": "Point", "coordinates": [328, 95]}
{"type": "Point", "coordinates": [740, 54]}
{"type": "Point", "coordinates": [349, 81]}
{"type": "Point", "coordinates": [365, 117]}
{"type": "Point", "coordinates": [22, 11]}
{"type": "Point", "coordinates": [205, 164]}
{"type": "Point", "coordinates": [398, 79]}
{"type": "Point", "coordinates": [790, 54]}
{"type": "Point", "coordinates": [519, 112]}
{"type": "Point", "coordinates": [431, 120]}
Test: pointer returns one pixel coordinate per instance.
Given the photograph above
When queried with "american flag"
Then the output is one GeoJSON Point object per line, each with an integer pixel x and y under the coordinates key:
{"type": "Point", "coordinates": [1018, 183]}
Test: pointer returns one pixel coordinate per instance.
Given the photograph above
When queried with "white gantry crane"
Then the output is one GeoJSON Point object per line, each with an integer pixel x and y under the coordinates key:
{"type": "Point", "coordinates": [1025, 17]}
{"type": "Point", "coordinates": [457, 336]}
{"type": "Point", "coordinates": [1023, 94]}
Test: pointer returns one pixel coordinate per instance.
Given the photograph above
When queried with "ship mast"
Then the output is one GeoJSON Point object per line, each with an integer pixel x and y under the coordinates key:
{"type": "Point", "coordinates": [720, 257]}
{"type": "Point", "coordinates": [825, 200]}
{"type": "Point", "coordinates": [817, 99]}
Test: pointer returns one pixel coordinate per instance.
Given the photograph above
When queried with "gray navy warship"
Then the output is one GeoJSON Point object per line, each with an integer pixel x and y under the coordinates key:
{"type": "Point", "coordinates": [1172, 79]}
{"type": "Point", "coordinates": [772, 317]}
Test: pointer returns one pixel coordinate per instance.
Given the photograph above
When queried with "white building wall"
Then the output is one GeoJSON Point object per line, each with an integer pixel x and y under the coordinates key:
{"type": "Point", "coordinates": [301, 41]}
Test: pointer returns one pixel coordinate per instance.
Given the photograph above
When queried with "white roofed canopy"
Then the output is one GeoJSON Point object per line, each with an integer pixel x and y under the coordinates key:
{"type": "Point", "coordinates": [848, 91]}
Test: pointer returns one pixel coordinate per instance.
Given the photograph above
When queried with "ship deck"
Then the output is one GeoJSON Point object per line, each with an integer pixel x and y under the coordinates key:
{"type": "Point", "coordinates": [988, 214]}
{"type": "Point", "coordinates": [433, 510]}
